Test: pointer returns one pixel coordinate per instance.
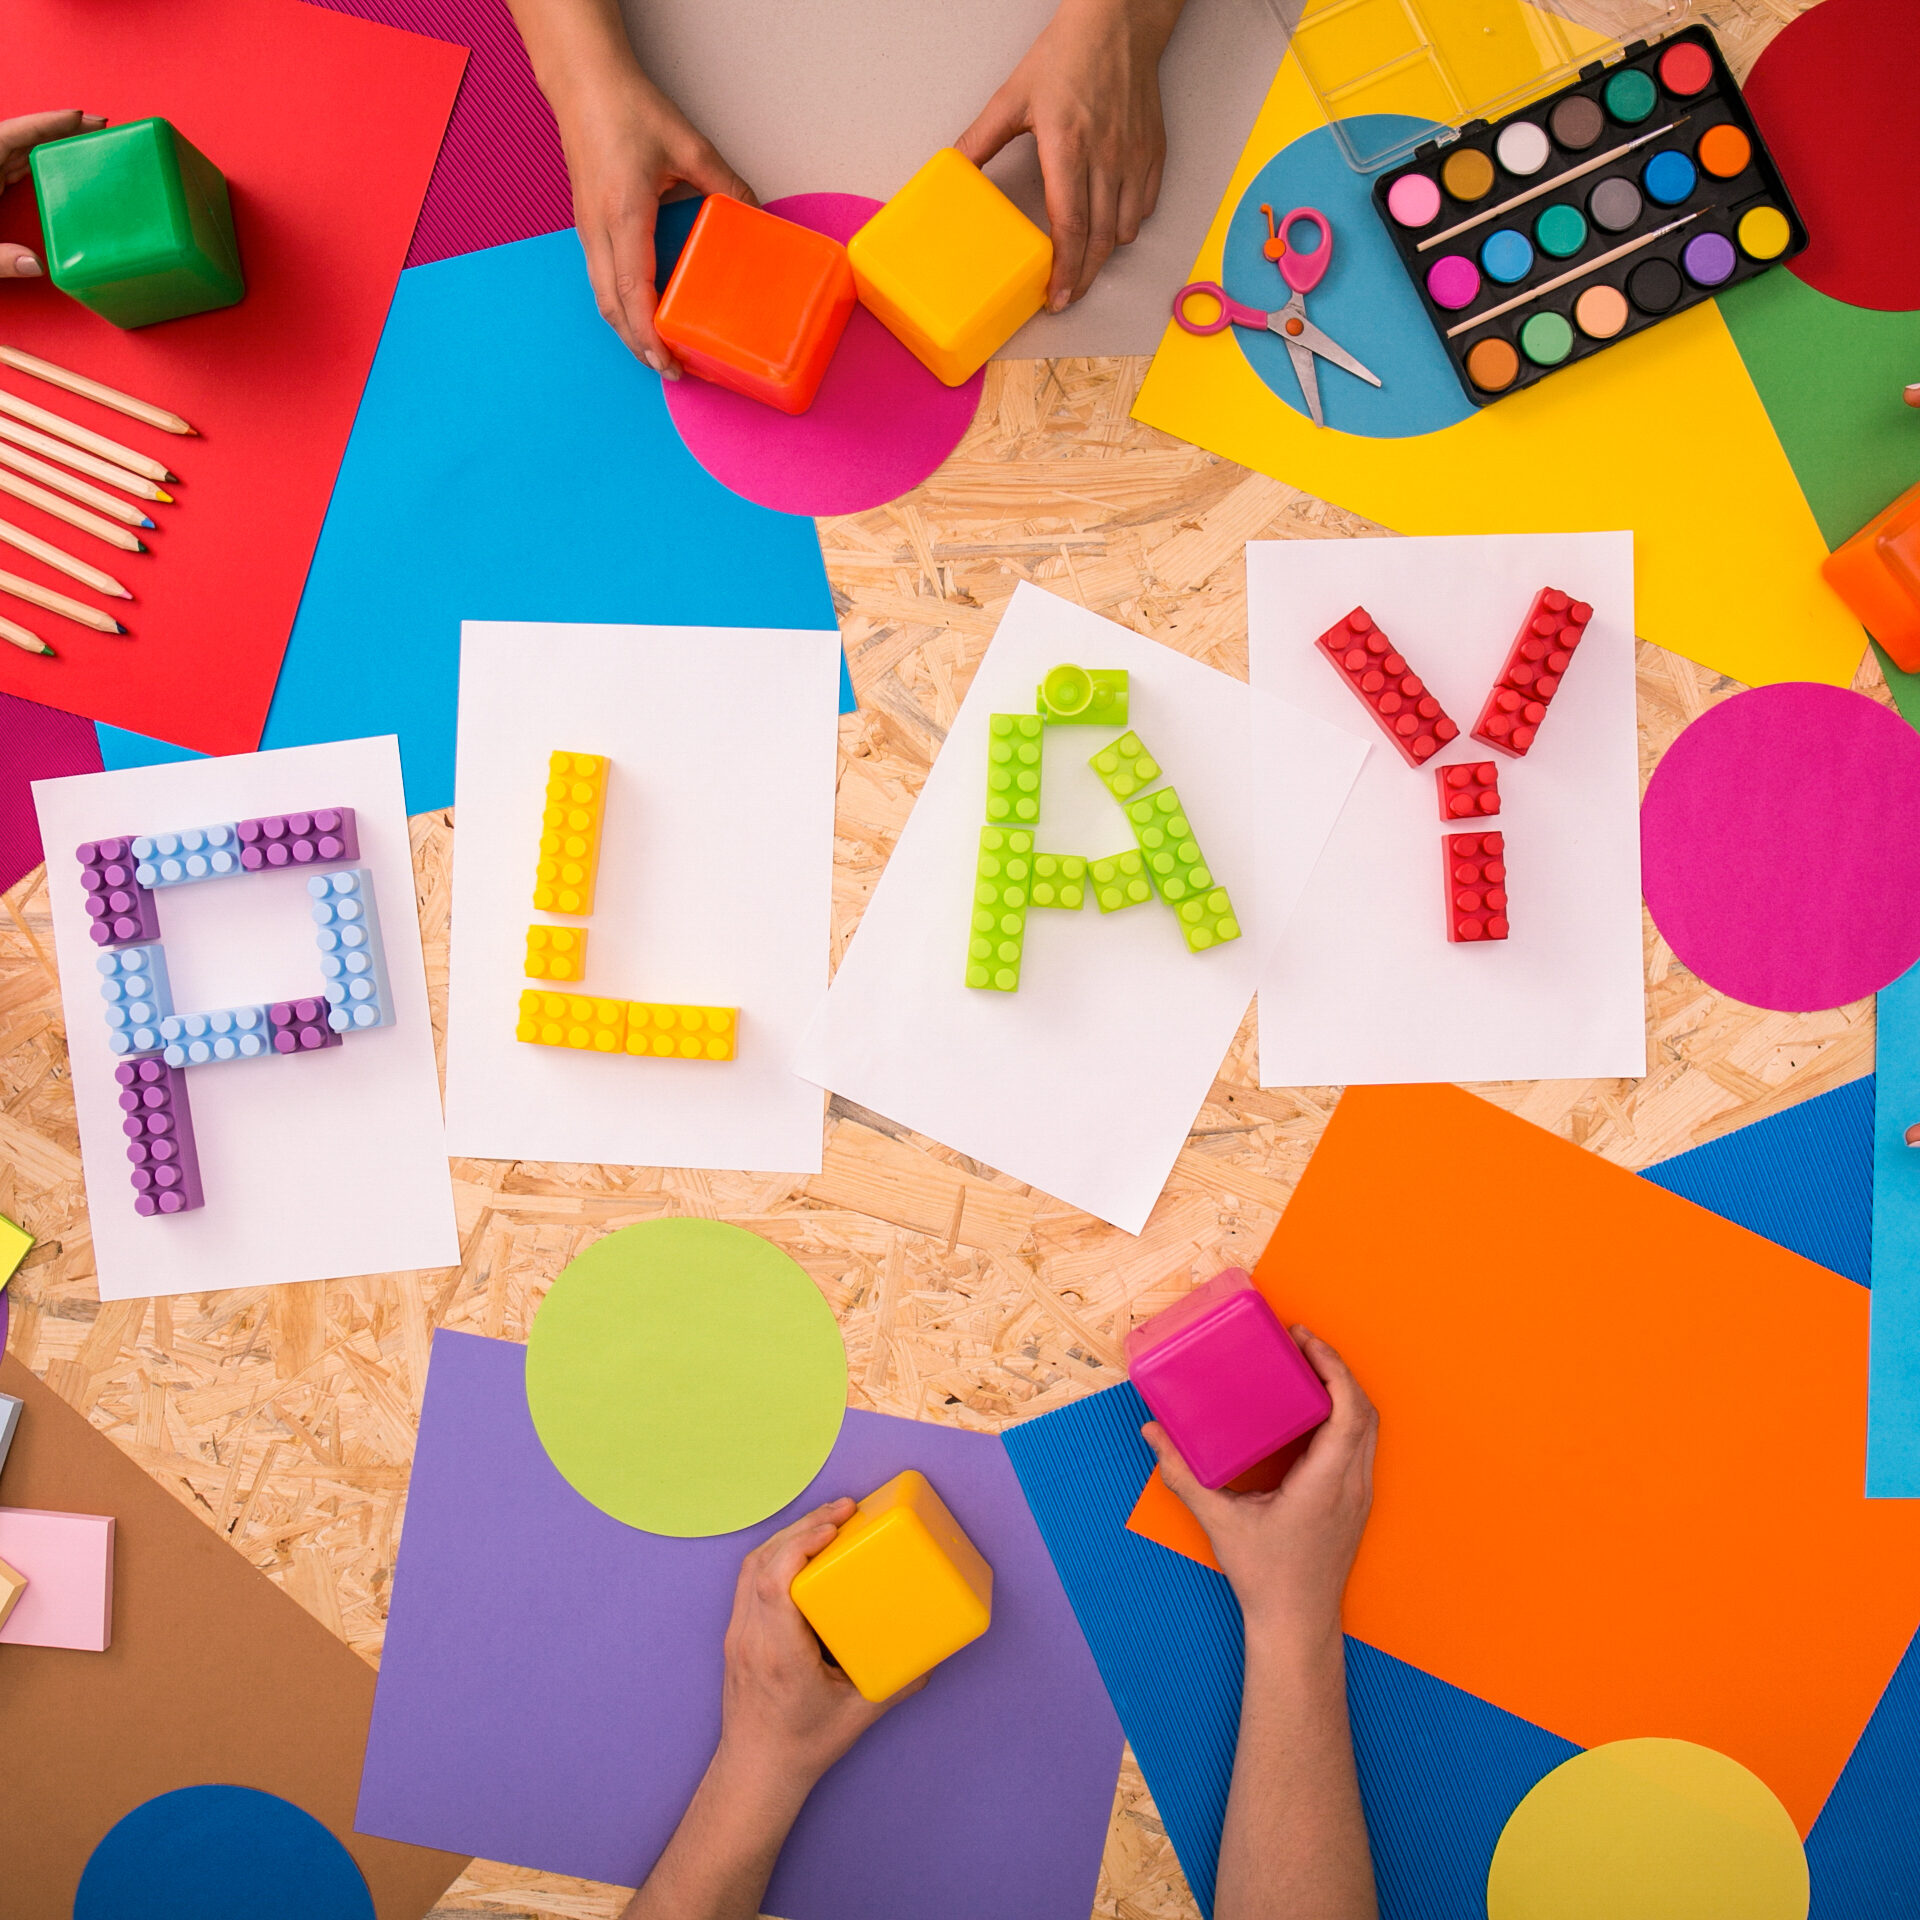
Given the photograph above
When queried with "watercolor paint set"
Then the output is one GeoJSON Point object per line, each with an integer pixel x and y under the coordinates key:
{"type": "Point", "coordinates": [1634, 192]}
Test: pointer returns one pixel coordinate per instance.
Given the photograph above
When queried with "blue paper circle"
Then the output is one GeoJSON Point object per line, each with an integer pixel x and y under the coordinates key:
{"type": "Point", "coordinates": [221, 1853]}
{"type": "Point", "coordinates": [1366, 303]}
{"type": "Point", "coordinates": [1668, 178]}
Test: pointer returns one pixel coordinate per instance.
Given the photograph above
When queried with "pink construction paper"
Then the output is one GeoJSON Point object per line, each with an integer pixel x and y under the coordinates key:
{"type": "Point", "coordinates": [501, 174]}
{"type": "Point", "coordinates": [878, 426]}
{"type": "Point", "coordinates": [1780, 847]}
{"type": "Point", "coordinates": [36, 743]}
{"type": "Point", "coordinates": [68, 1561]}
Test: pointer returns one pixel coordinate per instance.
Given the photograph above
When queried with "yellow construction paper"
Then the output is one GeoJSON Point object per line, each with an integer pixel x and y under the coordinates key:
{"type": "Point", "coordinates": [1651, 1830]}
{"type": "Point", "coordinates": [1664, 434]}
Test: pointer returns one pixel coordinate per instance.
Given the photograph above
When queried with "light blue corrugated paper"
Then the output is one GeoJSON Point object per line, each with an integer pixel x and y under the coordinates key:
{"type": "Point", "coordinates": [1893, 1366]}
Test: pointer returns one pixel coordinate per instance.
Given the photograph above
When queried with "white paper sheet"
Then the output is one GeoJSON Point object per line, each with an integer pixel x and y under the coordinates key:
{"type": "Point", "coordinates": [315, 1167]}
{"type": "Point", "coordinates": [715, 885]}
{"type": "Point", "coordinates": [1084, 1082]}
{"type": "Point", "coordinates": [1366, 987]}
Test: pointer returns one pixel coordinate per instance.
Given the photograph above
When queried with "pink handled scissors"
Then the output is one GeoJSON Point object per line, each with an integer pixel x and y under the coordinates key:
{"type": "Point", "coordinates": [1302, 272]}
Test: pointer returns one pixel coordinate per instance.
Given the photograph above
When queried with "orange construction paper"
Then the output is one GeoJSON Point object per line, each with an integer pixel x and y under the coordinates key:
{"type": "Point", "coordinates": [1622, 1442]}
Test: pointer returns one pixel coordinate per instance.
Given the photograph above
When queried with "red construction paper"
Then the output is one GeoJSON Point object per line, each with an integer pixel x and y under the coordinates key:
{"type": "Point", "coordinates": [326, 128]}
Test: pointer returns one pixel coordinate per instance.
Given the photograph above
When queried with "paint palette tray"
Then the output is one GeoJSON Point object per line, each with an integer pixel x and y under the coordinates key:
{"type": "Point", "coordinates": [1636, 191]}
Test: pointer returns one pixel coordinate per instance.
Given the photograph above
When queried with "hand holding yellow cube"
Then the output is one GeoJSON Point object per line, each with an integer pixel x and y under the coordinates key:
{"type": "Point", "coordinates": [898, 1590]}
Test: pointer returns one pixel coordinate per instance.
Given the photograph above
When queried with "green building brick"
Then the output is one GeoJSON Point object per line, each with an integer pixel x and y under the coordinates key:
{"type": "Point", "coordinates": [1013, 769]}
{"type": "Point", "coordinates": [1059, 880]}
{"type": "Point", "coordinates": [1081, 697]}
{"type": "Point", "coordinates": [137, 224]}
{"type": "Point", "coordinates": [1120, 880]}
{"type": "Point", "coordinates": [1002, 884]}
{"type": "Point", "coordinates": [1179, 871]}
{"type": "Point", "coordinates": [1125, 767]}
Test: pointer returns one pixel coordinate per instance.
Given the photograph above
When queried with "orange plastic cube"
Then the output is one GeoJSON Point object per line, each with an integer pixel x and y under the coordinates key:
{"type": "Point", "coordinates": [1877, 573]}
{"type": "Point", "coordinates": [757, 304]}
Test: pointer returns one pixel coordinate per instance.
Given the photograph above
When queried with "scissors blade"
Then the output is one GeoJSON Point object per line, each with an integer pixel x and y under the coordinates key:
{"type": "Point", "coordinates": [1304, 371]}
{"type": "Point", "coordinates": [1311, 338]}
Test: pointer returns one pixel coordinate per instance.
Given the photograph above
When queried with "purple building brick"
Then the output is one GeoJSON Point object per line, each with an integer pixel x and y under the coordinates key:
{"type": "Point", "coordinates": [119, 909]}
{"type": "Point", "coordinates": [301, 1026]}
{"type": "Point", "coordinates": [159, 1130]}
{"type": "Point", "coordinates": [298, 839]}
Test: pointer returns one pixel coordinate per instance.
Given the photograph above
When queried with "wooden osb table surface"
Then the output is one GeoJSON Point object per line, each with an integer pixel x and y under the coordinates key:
{"type": "Point", "coordinates": [285, 1417]}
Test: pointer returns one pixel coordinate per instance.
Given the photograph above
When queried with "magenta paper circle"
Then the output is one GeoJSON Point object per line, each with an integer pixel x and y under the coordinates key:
{"type": "Point", "coordinates": [878, 426]}
{"type": "Point", "coordinates": [1780, 847]}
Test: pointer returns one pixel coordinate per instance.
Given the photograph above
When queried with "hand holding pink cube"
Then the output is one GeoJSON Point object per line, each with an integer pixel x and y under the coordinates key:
{"type": "Point", "coordinates": [1223, 1377]}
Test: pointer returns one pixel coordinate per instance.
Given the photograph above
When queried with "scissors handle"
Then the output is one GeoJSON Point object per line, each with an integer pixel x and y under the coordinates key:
{"type": "Point", "coordinates": [1231, 314]}
{"type": "Point", "coordinates": [1304, 271]}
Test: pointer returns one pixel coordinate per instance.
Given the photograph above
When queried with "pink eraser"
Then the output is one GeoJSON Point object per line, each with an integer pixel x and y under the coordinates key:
{"type": "Point", "coordinates": [1224, 1378]}
{"type": "Point", "coordinates": [68, 1562]}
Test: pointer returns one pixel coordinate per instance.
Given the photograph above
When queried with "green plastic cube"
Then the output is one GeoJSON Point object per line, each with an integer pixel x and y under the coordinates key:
{"type": "Point", "coordinates": [137, 223]}
{"type": "Point", "coordinates": [1179, 871]}
{"type": "Point", "coordinates": [1002, 880]}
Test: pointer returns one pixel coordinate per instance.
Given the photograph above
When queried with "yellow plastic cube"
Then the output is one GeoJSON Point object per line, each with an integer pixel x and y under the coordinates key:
{"type": "Point", "coordinates": [898, 1590]}
{"type": "Point", "coordinates": [556, 953]}
{"type": "Point", "coordinates": [951, 266]}
{"type": "Point", "coordinates": [570, 832]}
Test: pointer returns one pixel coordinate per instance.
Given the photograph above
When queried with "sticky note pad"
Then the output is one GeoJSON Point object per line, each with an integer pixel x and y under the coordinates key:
{"type": "Point", "coordinates": [68, 1561]}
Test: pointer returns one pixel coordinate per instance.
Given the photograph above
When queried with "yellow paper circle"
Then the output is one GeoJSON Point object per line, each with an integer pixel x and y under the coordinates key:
{"type": "Point", "coordinates": [1649, 1830]}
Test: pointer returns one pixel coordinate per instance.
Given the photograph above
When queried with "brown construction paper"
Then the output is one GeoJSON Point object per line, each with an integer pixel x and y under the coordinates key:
{"type": "Point", "coordinates": [214, 1675]}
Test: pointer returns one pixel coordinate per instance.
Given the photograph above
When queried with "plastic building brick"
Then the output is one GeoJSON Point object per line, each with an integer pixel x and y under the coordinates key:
{"type": "Point", "coordinates": [159, 1130]}
{"type": "Point", "coordinates": [137, 224]}
{"type": "Point", "coordinates": [195, 853]}
{"type": "Point", "coordinates": [681, 1033]}
{"type": "Point", "coordinates": [1179, 870]}
{"type": "Point", "coordinates": [346, 920]}
{"type": "Point", "coordinates": [1059, 880]}
{"type": "Point", "coordinates": [573, 1020]}
{"type": "Point", "coordinates": [133, 983]}
{"type": "Point", "coordinates": [951, 267]}
{"type": "Point", "coordinates": [1000, 890]}
{"type": "Point", "coordinates": [1120, 880]}
{"type": "Point", "coordinates": [1475, 871]}
{"type": "Point", "coordinates": [1013, 768]}
{"type": "Point", "coordinates": [1125, 767]}
{"type": "Point", "coordinates": [1224, 1378]}
{"type": "Point", "coordinates": [1081, 697]}
{"type": "Point", "coordinates": [1877, 573]}
{"type": "Point", "coordinates": [556, 953]}
{"type": "Point", "coordinates": [14, 1242]}
{"type": "Point", "coordinates": [570, 833]}
{"type": "Point", "coordinates": [200, 1039]}
{"type": "Point", "coordinates": [119, 908]}
{"type": "Point", "coordinates": [757, 304]}
{"type": "Point", "coordinates": [298, 840]}
{"type": "Point", "coordinates": [897, 1590]}
{"type": "Point", "coordinates": [1554, 626]}
{"type": "Point", "coordinates": [13, 1584]}
{"type": "Point", "coordinates": [1469, 791]}
{"type": "Point", "coordinates": [300, 1026]}
{"type": "Point", "coordinates": [1387, 687]}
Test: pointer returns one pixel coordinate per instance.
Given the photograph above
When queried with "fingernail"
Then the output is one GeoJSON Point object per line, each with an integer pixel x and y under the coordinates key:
{"type": "Point", "coordinates": [657, 361]}
{"type": "Point", "coordinates": [1058, 304]}
{"type": "Point", "coordinates": [27, 267]}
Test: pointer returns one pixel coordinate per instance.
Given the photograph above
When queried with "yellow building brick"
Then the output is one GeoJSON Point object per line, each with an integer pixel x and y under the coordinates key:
{"type": "Point", "coordinates": [685, 1033]}
{"type": "Point", "coordinates": [556, 953]}
{"type": "Point", "coordinates": [572, 1020]}
{"type": "Point", "coordinates": [570, 832]}
{"type": "Point", "coordinates": [898, 1590]}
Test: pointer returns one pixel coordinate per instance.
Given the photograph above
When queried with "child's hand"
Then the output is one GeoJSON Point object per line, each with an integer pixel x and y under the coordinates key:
{"type": "Point", "coordinates": [1089, 93]}
{"type": "Point", "coordinates": [17, 139]}
{"type": "Point", "coordinates": [785, 1712]}
{"type": "Point", "coordinates": [1287, 1553]}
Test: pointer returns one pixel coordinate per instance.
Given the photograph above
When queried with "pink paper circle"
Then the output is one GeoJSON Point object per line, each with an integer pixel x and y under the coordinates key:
{"type": "Point", "coordinates": [1780, 847]}
{"type": "Point", "coordinates": [878, 426]}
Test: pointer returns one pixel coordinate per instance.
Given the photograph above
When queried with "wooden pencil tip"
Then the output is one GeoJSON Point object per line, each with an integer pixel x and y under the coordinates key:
{"type": "Point", "coordinates": [163, 494]}
{"type": "Point", "coordinates": [166, 476]}
{"type": "Point", "coordinates": [144, 521]}
{"type": "Point", "coordinates": [140, 546]}
{"type": "Point", "coordinates": [118, 628]}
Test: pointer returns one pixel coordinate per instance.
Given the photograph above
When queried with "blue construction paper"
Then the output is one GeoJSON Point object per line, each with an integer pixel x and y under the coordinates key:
{"type": "Point", "coordinates": [1893, 1365]}
{"type": "Point", "coordinates": [510, 461]}
{"type": "Point", "coordinates": [1440, 1771]}
{"type": "Point", "coordinates": [220, 1853]}
{"type": "Point", "coordinates": [1864, 1850]}
{"type": "Point", "coordinates": [1801, 1178]}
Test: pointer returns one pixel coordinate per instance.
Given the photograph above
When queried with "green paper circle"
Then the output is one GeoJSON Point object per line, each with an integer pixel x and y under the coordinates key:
{"type": "Point", "coordinates": [686, 1377]}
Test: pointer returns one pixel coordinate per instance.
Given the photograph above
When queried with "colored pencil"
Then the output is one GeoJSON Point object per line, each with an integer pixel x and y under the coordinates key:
{"type": "Point", "coordinates": [61, 561]}
{"type": "Point", "coordinates": [93, 390]}
{"type": "Point", "coordinates": [25, 641]}
{"type": "Point", "coordinates": [59, 603]}
{"type": "Point", "coordinates": [69, 455]}
{"type": "Point", "coordinates": [72, 515]}
{"type": "Point", "coordinates": [59, 477]}
{"type": "Point", "coordinates": [1548, 186]}
{"type": "Point", "coordinates": [1576, 273]}
{"type": "Point", "coordinates": [57, 423]}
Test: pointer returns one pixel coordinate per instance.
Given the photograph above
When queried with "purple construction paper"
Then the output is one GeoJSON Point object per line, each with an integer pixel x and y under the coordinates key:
{"type": "Point", "coordinates": [550, 1686]}
{"type": "Point", "coordinates": [501, 175]}
{"type": "Point", "coordinates": [36, 743]}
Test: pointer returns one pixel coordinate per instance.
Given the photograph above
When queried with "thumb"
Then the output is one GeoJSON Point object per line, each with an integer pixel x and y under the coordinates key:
{"type": "Point", "coordinates": [16, 263]}
{"type": "Point", "coordinates": [30, 129]}
{"type": "Point", "coordinates": [1000, 120]}
{"type": "Point", "coordinates": [1175, 1471]}
{"type": "Point", "coordinates": [709, 171]}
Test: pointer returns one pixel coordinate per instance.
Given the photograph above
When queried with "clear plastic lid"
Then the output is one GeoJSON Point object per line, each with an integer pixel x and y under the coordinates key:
{"type": "Point", "coordinates": [1446, 62]}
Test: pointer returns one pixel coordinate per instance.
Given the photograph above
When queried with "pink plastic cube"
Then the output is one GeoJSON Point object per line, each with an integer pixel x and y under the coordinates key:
{"type": "Point", "coordinates": [1224, 1378]}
